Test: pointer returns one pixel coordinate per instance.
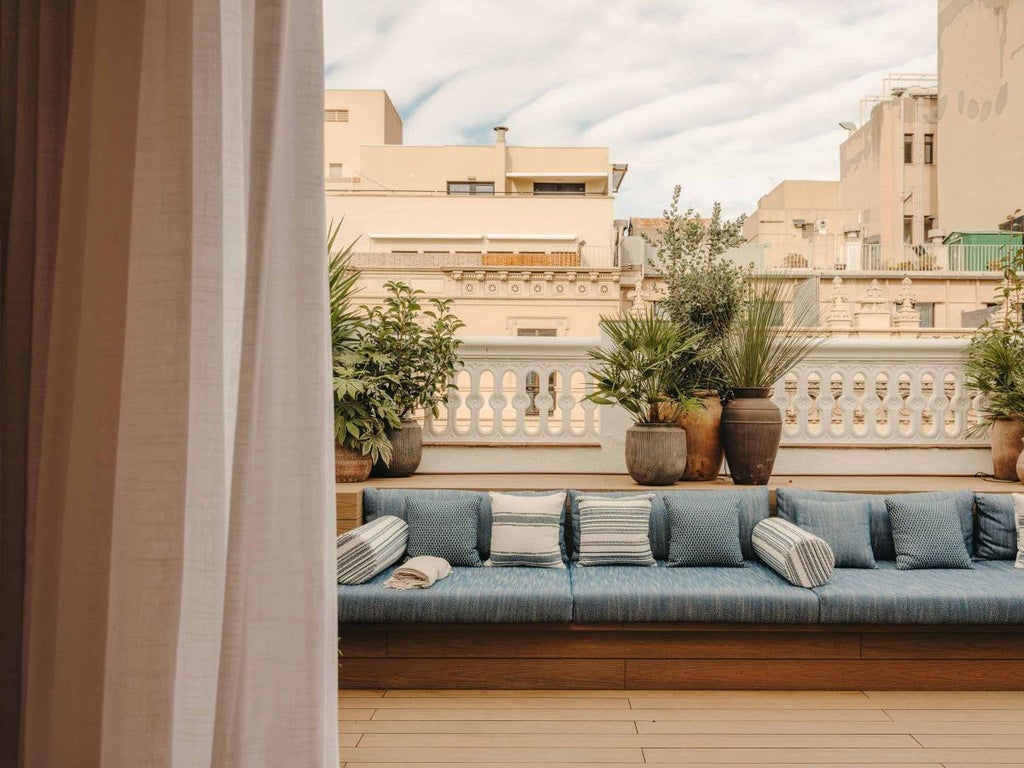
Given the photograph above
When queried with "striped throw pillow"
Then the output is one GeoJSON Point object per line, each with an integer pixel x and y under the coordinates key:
{"type": "Point", "coordinates": [525, 530]}
{"type": "Point", "coordinates": [801, 558]}
{"type": "Point", "coordinates": [1018, 514]}
{"type": "Point", "coordinates": [615, 531]}
{"type": "Point", "coordinates": [367, 550]}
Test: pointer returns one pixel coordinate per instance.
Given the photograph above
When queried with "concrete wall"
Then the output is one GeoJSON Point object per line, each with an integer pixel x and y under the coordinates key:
{"type": "Point", "coordinates": [874, 178]}
{"type": "Point", "coordinates": [981, 112]}
{"type": "Point", "coordinates": [372, 119]}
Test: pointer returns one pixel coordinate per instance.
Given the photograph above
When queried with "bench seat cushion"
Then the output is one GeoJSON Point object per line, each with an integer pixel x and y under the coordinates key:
{"type": "Point", "coordinates": [751, 594]}
{"type": "Point", "coordinates": [991, 593]}
{"type": "Point", "coordinates": [467, 596]}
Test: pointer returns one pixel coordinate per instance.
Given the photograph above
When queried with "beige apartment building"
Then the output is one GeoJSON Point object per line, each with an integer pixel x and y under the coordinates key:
{"type": "Point", "coordinates": [522, 238]}
{"type": "Point", "coordinates": [981, 113]}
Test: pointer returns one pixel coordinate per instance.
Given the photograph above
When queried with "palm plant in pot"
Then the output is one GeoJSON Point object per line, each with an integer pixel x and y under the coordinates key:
{"type": "Point", "coordinates": [418, 339]}
{"type": "Point", "coordinates": [363, 407]}
{"type": "Point", "coordinates": [643, 370]}
{"type": "Point", "coordinates": [994, 366]}
{"type": "Point", "coordinates": [758, 351]}
{"type": "Point", "coordinates": [705, 291]}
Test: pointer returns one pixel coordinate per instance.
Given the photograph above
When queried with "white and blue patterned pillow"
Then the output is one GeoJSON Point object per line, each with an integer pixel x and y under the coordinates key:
{"type": "Point", "coordinates": [526, 530]}
{"type": "Point", "coordinates": [615, 531]}
{"type": "Point", "coordinates": [445, 527]}
{"type": "Point", "coordinates": [704, 531]}
{"type": "Point", "coordinates": [801, 558]}
{"type": "Point", "coordinates": [927, 534]}
{"type": "Point", "coordinates": [367, 550]}
{"type": "Point", "coordinates": [845, 525]}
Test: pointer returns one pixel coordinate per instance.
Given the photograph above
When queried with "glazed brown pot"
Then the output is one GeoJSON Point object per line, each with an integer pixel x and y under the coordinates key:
{"type": "Point", "coordinates": [406, 451]}
{"type": "Point", "coordinates": [1006, 447]}
{"type": "Point", "coordinates": [655, 453]}
{"type": "Point", "coordinates": [751, 431]}
{"type": "Point", "coordinates": [350, 466]}
{"type": "Point", "coordinates": [703, 428]}
{"type": "Point", "coordinates": [1020, 464]}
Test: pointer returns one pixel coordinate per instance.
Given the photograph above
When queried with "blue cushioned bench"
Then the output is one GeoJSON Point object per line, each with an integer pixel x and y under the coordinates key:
{"type": "Point", "coordinates": [662, 627]}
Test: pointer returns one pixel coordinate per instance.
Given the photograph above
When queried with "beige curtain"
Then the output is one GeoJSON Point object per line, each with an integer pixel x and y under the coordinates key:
{"type": "Point", "coordinates": [179, 599]}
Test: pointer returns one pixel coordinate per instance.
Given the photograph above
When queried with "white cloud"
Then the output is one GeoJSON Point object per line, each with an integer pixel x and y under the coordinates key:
{"type": "Point", "coordinates": [724, 98]}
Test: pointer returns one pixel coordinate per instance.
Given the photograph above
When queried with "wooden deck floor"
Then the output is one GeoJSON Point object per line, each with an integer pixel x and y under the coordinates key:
{"type": "Point", "coordinates": [402, 729]}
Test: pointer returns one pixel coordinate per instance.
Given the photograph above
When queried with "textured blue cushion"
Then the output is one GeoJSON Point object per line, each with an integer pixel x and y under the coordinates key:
{"type": "Point", "coordinates": [845, 525]}
{"type": "Point", "coordinates": [927, 534]}
{"type": "Point", "coordinates": [704, 531]}
{"type": "Point", "coordinates": [392, 501]}
{"type": "Point", "coordinates": [991, 593]}
{"type": "Point", "coordinates": [444, 527]}
{"type": "Point", "coordinates": [752, 594]}
{"type": "Point", "coordinates": [881, 531]}
{"type": "Point", "coordinates": [997, 531]}
{"type": "Point", "coordinates": [753, 508]}
{"type": "Point", "coordinates": [467, 596]}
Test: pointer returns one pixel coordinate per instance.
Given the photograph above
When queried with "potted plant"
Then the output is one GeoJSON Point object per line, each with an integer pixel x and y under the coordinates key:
{"type": "Point", "coordinates": [363, 409]}
{"type": "Point", "coordinates": [704, 292]}
{"type": "Point", "coordinates": [417, 339]}
{"type": "Point", "coordinates": [643, 371]}
{"type": "Point", "coordinates": [994, 366]}
{"type": "Point", "coordinates": [758, 351]}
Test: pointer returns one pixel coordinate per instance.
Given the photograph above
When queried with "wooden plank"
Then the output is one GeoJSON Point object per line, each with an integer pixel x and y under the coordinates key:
{"type": "Point", "coordinates": [455, 642]}
{"type": "Point", "coordinates": [348, 506]}
{"type": "Point", "coordinates": [487, 756]}
{"type": "Point", "coordinates": [939, 644]}
{"type": "Point", "coordinates": [850, 757]}
{"type": "Point", "coordinates": [498, 726]}
{"type": "Point", "coordinates": [482, 673]}
{"type": "Point", "coordinates": [823, 675]}
{"type": "Point", "coordinates": [616, 741]}
{"type": "Point", "coordinates": [916, 716]}
{"type": "Point", "coordinates": [814, 727]}
{"type": "Point", "coordinates": [724, 699]}
{"type": "Point", "coordinates": [568, 714]}
{"type": "Point", "coordinates": [976, 698]}
{"type": "Point", "coordinates": [508, 699]}
{"type": "Point", "coordinates": [362, 641]}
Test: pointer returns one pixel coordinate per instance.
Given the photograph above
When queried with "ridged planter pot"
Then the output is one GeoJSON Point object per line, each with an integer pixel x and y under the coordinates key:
{"type": "Point", "coordinates": [350, 466]}
{"type": "Point", "coordinates": [751, 431]}
{"type": "Point", "coordinates": [406, 451]}
{"type": "Point", "coordinates": [703, 428]}
{"type": "Point", "coordinates": [1006, 447]}
{"type": "Point", "coordinates": [655, 453]}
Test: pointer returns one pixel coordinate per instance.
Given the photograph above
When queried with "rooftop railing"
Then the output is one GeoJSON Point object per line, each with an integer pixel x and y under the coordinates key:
{"type": "Point", "coordinates": [582, 256]}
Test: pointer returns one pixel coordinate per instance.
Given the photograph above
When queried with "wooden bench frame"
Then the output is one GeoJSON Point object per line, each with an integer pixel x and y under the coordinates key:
{"type": "Point", "coordinates": [681, 656]}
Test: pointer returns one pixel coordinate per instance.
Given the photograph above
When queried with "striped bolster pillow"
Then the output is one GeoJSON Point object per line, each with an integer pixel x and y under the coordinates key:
{"type": "Point", "coordinates": [799, 557]}
{"type": "Point", "coordinates": [367, 550]}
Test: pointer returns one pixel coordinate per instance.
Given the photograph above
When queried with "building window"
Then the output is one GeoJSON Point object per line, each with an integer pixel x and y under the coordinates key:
{"type": "Point", "coordinates": [334, 170]}
{"type": "Point", "coordinates": [335, 115]}
{"type": "Point", "coordinates": [908, 148]}
{"type": "Point", "coordinates": [927, 311]}
{"type": "Point", "coordinates": [908, 229]}
{"type": "Point", "coordinates": [470, 187]}
{"type": "Point", "coordinates": [559, 188]}
{"type": "Point", "coordinates": [929, 225]}
{"type": "Point", "coordinates": [929, 148]}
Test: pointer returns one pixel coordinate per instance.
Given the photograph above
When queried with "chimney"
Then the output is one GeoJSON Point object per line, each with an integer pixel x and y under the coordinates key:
{"type": "Point", "coordinates": [501, 165]}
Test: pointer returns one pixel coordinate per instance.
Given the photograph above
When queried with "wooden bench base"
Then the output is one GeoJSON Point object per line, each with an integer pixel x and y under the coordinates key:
{"type": "Point", "coordinates": [680, 656]}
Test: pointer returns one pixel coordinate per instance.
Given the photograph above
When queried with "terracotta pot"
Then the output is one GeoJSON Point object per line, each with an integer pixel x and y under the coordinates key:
{"type": "Point", "coordinates": [655, 453]}
{"type": "Point", "coordinates": [350, 466]}
{"type": "Point", "coordinates": [1006, 447]}
{"type": "Point", "coordinates": [406, 451]}
{"type": "Point", "coordinates": [703, 428]}
{"type": "Point", "coordinates": [1020, 464]}
{"type": "Point", "coordinates": [751, 431]}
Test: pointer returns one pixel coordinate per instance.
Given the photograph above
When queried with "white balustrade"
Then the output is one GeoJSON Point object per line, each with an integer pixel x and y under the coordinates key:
{"type": "Point", "coordinates": [519, 390]}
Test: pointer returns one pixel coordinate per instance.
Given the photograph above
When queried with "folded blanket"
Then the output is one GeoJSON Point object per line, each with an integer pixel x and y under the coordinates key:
{"type": "Point", "coordinates": [418, 573]}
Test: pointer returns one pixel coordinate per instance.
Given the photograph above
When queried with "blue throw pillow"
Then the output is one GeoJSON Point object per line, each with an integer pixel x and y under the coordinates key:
{"type": "Point", "coordinates": [845, 525]}
{"type": "Point", "coordinates": [444, 527]}
{"type": "Point", "coordinates": [927, 534]}
{"type": "Point", "coordinates": [704, 531]}
{"type": "Point", "coordinates": [997, 531]}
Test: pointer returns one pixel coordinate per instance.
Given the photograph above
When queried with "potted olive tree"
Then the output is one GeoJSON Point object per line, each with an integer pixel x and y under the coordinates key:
{"type": "Point", "coordinates": [994, 367]}
{"type": "Point", "coordinates": [704, 292]}
{"type": "Point", "coordinates": [757, 351]}
{"type": "Point", "coordinates": [643, 369]}
{"type": "Point", "coordinates": [417, 339]}
{"type": "Point", "coordinates": [363, 407]}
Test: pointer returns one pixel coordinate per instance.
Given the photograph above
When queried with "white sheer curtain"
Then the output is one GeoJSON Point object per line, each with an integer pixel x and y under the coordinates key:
{"type": "Point", "coordinates": [179, 599]}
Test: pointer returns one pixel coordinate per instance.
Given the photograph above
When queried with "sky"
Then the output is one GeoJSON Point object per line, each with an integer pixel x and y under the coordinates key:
{"type": "Point", "coordinates": [724, 97]}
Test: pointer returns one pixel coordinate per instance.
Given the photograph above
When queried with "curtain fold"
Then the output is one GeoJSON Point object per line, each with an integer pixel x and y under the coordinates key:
{"type": "Point", "coordinates": [179, 600]}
